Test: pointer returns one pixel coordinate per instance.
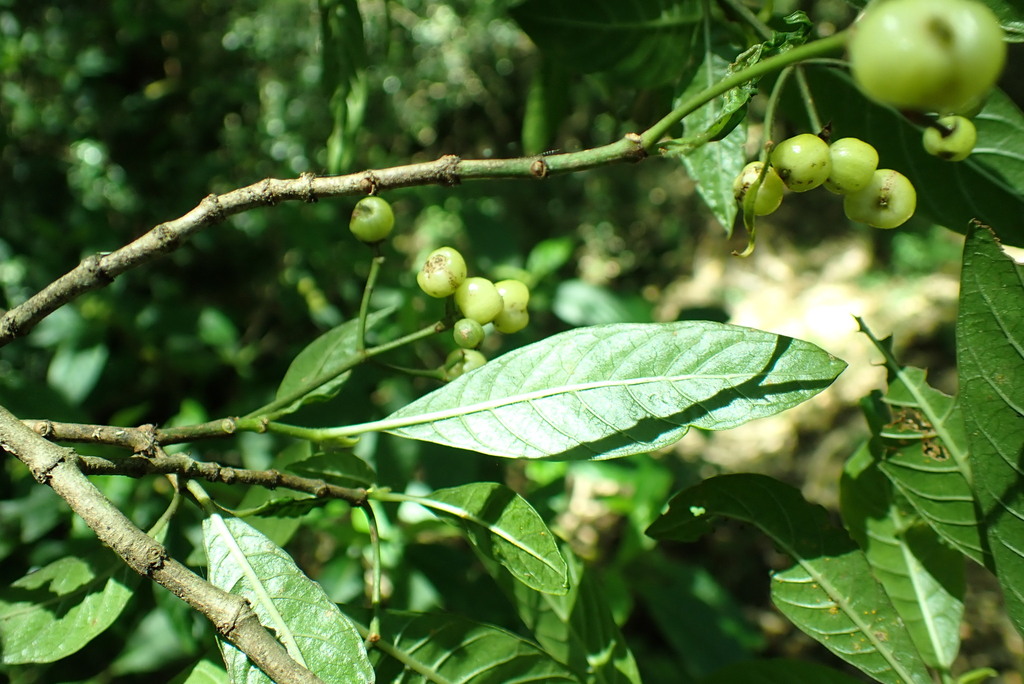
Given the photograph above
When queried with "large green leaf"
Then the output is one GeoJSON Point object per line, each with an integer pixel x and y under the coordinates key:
{"type": "Point", "coordinates": [318, 372]}
{"type": "Point", "coordinates": [294, 607]}
{"type": "Point", "coordinates": [923, 577]}
{"type": "Point", "coordinates": [779, 671]}
{"type": "Point", "coordinates": [503, 526]}
{"type": "Point", "coordinates": [646, 42]}
{"type": "Point", "coordinates": [990, 355]}
{"type": "Point", "coordinates": [927, 457]}
{"type": "Point", "coordinates": [829, 592]}
{"type": "Point", "coordinates": [417, 647]}
{"type": "Point", "coordinates": [614, 390]}
{"type": "Point", "coordinates": [986, 186]}
{"type": "Point", "coordinates": [576, 628]}
{"type": "Point", "coordinates": [54, 611]}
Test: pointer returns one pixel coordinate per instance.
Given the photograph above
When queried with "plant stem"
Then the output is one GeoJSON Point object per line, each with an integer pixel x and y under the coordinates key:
{"type": "Point", "coordinates": [817, 48]}
{"type": "Point", "coordinates": [375, 599]}
{"type": "Point", "coordinates": [364, 305]}
{"type": "Point", "coordinates": [808, 98]}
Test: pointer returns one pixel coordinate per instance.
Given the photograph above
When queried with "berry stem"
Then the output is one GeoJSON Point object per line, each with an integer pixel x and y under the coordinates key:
{"type": "Point", "coordinates": [817, 48]}
{"type": "Point", "coordinates": [364, 305]}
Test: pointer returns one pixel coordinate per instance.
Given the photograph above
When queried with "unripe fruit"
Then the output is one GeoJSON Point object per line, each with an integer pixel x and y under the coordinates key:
{"type": "Point", "coordinates": [886, 202]}
{"type": "Point", "coordinates": [853, 164]}
{"type": "Point", "coordinates": [953, 139]}
{"type": "Point", "coordinates": [769, 193]}
{"type": "Point", "coordinates": [372, 219]}
{"type": "Point", "coordinates": [478, 298]}
{"type": "Point", "coordinates": [513, 316]}
{"type": "Point", "coordinates": [468, 333]}
{"type": "Point", "coordinates": [443, 272]}
{"type": "Point", "coordinates": [462, 361]}
{"type": "Point", "coordinates": [928, 55]}
{"type": "Point", "coordinates": [803, 162]}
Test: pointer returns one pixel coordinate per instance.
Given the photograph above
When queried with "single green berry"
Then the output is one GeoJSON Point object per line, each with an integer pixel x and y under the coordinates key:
{"type": "Point", "coordinates": [886, 202]}
{"type": "Point", "coordinates": [468, 333]}
{"type": "Point", "coordinates": [461, 361]}
{"type": "Point", "coordinates": [803, 162]}
{"type": "Point", "coordinates": [929, 55]}
{"type": "Point", "coordinates": [952, 138]}
{"type": "Point", "coordinates": [478, 298]}
{"type": "Point", "coordinates": [442, 273]}
{"type": "Point", "coordinates": [853, 164]}
{"type": "Point", "coordinates": [769, 193]}
{"type": "Point", "coordinates": [515, 295]}
{"type": "Point", "coordinates": [372, 219]}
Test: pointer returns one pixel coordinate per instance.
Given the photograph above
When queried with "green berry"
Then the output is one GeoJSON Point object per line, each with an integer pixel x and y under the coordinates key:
{"type": "Point", "coordinates": [462, 361]}
{"type": "Point", "coordinates": [886, 202]}
{"type": "Point", "coordinates": [442, 273]}
{"type": "Point", "coordinates": [952, 139]}
{"type": "Point", "coordinates": [769, 193]}
{"type": "Point", "coordinates": [478, 298]}
{"type": "Point", "coordinates": [853, 164]}
{"type": "Point", "coordinates": [372, 219]}
{"type": "Point", "coordinates": [468, 333]}
{"type": "Point", "coordinates": [928, 55]}
{"type": "Point", "coordinates": [515, 295]}
{"type": "Point", "coordinates": [803, 162]}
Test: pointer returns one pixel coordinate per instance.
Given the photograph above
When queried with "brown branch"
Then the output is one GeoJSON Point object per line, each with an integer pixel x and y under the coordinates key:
{"type": "Point", "coordinates": [141, 440]}
{"type": "Point", "coordinates": [231, 615]}
{"type": "Point", "coordinates": [99, 270]}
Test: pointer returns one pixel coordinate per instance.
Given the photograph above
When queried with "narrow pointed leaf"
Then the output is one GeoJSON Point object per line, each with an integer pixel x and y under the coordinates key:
{"type": "Point", "coordinates": [990, 357]}
{"type": "Point", "coordinates": [294, 607]}
{"type": "Point", "coordinates": [929, 462]}
{"type": "Point", "coordinates": [923, 577]}
{"type": "Point", "coordinates": [614, 390]}
{"type": "Point", "coordinates": [829, 592]}
{"type": "Point", "coordinates": [504, 527]}
{"type": "Point", "coordinates": [576, 628]}
{"type": "Point", "coordinates": [423, 647]}
{"type": "Point", "coordinates": [318, 372]}
{"type": "Point", "coordinates": [53, 612]}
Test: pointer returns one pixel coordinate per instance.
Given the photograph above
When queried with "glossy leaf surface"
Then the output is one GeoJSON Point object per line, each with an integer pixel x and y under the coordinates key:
{"type": "Point", "coordinates": [614, 390]}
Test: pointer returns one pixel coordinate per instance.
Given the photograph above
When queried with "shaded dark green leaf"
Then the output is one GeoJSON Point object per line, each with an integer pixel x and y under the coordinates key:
{"type": "Point", "coordinates": [990, 355]}
{"type": "Point", "coordinates": [829, 592]}
{"type": "Point", "coordinates": [337, 467]}
{"type": "Point", "coordinates": [778, 671]}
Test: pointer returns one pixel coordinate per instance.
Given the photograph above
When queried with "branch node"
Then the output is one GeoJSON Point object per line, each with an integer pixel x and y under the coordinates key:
{"type": "Point", "coordinates": [211, 203]}
{"type": "Point", "coordinates": [228, 475]}
{"type": "Point", "coordinates": [371, 183]}
{"type": "Point", "coordinates": [322, 491]}
{"type": "Point", "coordinates": [266, 193]}
{"type": "Point", "coordinates": [44, 428]}
{"type": "Point", "coordinates": [539, 168]}
{"type": "Point", "coordinates": [308, 194]}
{"type": "Point", "coordinates": [639, 152]}
{"type": "Point", "coordinates": [275, 478]}
{"type": "Point", "coordinates": [93, 264]}
{"type": "Point", "coordinates": [449, 175]}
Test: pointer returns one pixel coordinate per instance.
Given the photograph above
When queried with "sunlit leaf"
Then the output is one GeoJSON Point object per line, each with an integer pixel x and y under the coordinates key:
{"type": "Point", "coordinates": [614, 390]}
{"type": "Point", "coordinates": [990, 355]}
{"type": "Point", "coordinates": [294, 607]}
{"type": "Point", "coordinates": [54, 611]}
{"type": "Point", "coordinates": [829, 591]}
{"type": "Point", "coordinates": [204, 672]}
{"type": "Point", "coordinates": [503, 526]}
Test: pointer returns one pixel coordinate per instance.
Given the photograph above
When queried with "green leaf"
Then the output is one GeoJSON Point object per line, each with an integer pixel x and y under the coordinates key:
{"type": "Point", "coordinates": [576, 628]}
{"type": "Point", "coordinates": [54, 611]}
{"type": "Point", "coordinates": [715, 165]}
{"type": "Point", "coordinates": [547, 105]}
{"type": "Point", "coordinates": [990, 355]}
{"type": "Point", "coordinates": [614, 390]}
{"type": "Point", "coordinates": [504, 527]}
{"type": "Point", "coordinates": [926, 455]}
{"type": "Point", "coordinates": [318, 372]}
{"type": "Point", "coordinates": [429, 647]}
{"type": "Point", "coordinates": [337, 467]}
{"type": "Point", "coordinates": [204, 672]}
{"type": "Point", "coordinates": [344, 77]}
{"type": "Point", "coordinates": [983, 187]}
{"type": "Point", "coordinates": [644, 43]}
{"type": "Point", "coordinates": [829, 592]}
{"type": "Point", "coordinates": [923, 577]}
{"type": "Point", "coordinates": [283, 507]}
{"type": "Point", "coordinates": [294, 607]}
{"type": "Point", "coordinates": [778, 671]}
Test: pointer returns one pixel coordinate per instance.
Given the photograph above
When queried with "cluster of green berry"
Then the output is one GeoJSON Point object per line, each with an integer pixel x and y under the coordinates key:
{"type": "Point", "coordinates": [444, 274]}
{"type": "Point", "coordinates": [882, 198]}
{"type": "Point", "coordinates": [478, 301]}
